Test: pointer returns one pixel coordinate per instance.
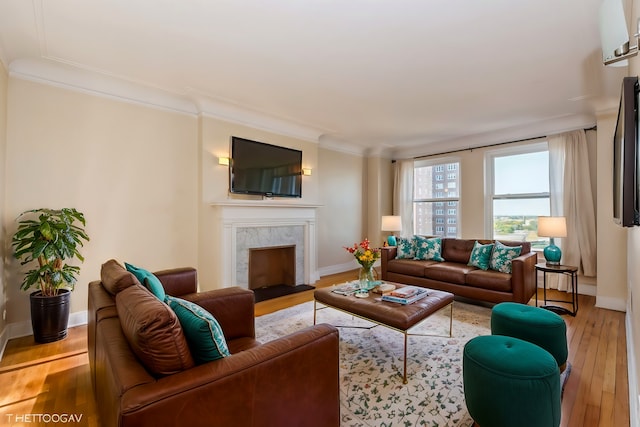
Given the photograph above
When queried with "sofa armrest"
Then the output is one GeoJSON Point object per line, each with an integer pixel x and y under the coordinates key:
{"type": "Point", "coordinates": [178, 281]}
{"type": "Point", "coordinates": [387, 253]}
{"type": "Point", "coordinates": [523, 277]}
{"type": "Point", "coordinates": [232, 307]}
{"type": "Point", "coordinates": [270, 382]}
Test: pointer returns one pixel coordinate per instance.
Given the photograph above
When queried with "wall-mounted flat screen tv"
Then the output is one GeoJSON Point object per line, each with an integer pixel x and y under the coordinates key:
{"type": "Point", "coordinates": [625, 157]}
{"type": "Point", "coordinates": [264, 169]}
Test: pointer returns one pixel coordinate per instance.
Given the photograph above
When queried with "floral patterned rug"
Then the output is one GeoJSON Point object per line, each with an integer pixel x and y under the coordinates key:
{"type": "Point", "coordinates": [371, 388]}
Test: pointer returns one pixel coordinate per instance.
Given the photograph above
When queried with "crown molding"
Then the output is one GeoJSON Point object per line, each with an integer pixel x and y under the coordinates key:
{"type": "Point", "coordinates": [245, 116]}
{"type": "Point", "coordinates": [69, 76]}
{"type": "Point", "coordinates": [534, 130]}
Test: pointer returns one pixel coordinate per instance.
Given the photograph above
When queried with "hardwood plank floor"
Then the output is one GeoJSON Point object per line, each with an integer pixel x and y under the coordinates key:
{"type": "Point", "coordinates": [54, 378]}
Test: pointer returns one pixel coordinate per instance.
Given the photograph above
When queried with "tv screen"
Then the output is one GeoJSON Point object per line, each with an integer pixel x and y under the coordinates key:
{"type": "Point", "coordinates": [265, 169]}
{"type": "Point", "coordinates": [625, 160]}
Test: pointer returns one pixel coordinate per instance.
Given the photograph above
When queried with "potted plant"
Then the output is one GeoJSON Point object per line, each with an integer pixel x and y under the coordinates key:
{"type": "Point", "coordinates": [46, 238]}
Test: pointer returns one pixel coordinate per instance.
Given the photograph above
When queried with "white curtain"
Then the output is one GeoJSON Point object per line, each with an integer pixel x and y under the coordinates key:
{"type": "Point", "coordinates": [403, 194]}
{"type": "Point", "coordinates": [571, 197]}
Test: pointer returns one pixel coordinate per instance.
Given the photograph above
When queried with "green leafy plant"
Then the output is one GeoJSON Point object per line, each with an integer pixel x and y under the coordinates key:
{"type": "Point", "coordinates": [49, 240]}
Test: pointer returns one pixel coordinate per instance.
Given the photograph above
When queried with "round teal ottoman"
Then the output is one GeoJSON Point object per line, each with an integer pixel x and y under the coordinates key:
{"type": "Point", "coordinates": [510, 382]}
{"type": "Point", "coordinates": [534, 324]}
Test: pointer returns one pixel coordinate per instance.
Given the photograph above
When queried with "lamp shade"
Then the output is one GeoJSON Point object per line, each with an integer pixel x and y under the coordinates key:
{"type": "Point", "coordinates": [391, 223]}
{"type": "Point", "coordinates": [552, 226]}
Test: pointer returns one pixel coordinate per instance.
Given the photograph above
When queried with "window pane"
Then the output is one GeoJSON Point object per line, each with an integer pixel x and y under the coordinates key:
{"type": "Point", "coordinates": [517, 219]}
{"type": "Point", "coordinates": [522, 173]}
{"type": "Point", "coordinates": [428, 219]}
{"type": "Point", "coordinates": [430, 182]}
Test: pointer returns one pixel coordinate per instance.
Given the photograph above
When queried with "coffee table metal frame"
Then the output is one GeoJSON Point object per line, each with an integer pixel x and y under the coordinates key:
{"type": "Point", "coordinates": [404, 332]}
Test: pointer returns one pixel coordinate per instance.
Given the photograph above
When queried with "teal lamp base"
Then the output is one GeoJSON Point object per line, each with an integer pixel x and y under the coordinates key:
{"type": "Point", "coordinates": [552, 254]}
{"type": "Point", "coordinates": [391, 240]}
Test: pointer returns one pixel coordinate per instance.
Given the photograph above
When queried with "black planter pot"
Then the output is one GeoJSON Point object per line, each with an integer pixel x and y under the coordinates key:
{"type": "Point", "coordinates": [50, 316]}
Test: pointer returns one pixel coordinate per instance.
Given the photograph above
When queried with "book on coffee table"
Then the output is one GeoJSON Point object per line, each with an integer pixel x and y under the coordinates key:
{"type": "Point", "coordinates": [348, 288]}
{"type": "Point", "coordinates": [414, 294]}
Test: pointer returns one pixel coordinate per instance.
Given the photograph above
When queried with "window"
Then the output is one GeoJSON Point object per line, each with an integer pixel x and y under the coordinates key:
{"type": "Point", "coordinates": [432, 189]}
{"type": "Point", "coordinates": [518, 192]}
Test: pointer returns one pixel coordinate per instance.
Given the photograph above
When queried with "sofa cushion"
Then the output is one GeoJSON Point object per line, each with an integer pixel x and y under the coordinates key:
{"type": "Point", "coordinates": [480, 255]}
{"type": "Point", "coordinates": [204, 334]}
{"type": "Point", "coordinates": [115, 277]}
{"type": "Point", "coordinates": [448, 272]}
{"type": "Point", "coordinates": [409, 267]}
{"type": "Point", "coordinates": [490, 279]}
{"type": "Point", "coordinates": [406, 248]}
{"type": "Point", "coordinates": [148, 279]}
{"type": "Point", "coordinates": [153, 331]}
{"type": "Point", "coordinates": [457, 250]}
{"type": "Point", "coordinates": [427, 249]}
{"type": "Point", "coordinates": [502, 255]}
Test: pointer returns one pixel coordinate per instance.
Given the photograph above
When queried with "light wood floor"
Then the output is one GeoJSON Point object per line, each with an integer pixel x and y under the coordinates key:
{"type": "Point", "coordinates": [54, 378]}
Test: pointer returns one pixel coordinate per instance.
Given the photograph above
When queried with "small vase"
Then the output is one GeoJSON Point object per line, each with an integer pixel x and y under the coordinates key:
{"type": "Point", "coordinates": [366, 277]}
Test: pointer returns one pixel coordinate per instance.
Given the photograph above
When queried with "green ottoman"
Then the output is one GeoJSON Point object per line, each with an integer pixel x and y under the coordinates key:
{"type": "Point", "coordinates": [533, 324]}
{"type": "Point", "coordinates": [510, 382]}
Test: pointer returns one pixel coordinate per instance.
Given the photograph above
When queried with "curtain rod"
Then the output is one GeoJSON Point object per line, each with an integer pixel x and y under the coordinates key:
{"type": "Point", "coordinates": [497, 144]}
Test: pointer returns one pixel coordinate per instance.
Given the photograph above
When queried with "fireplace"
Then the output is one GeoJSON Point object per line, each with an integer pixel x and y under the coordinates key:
{"type": "Point", "coordinates": [272, 266]}
{"type": "Point", "coordinates": [244, 225]}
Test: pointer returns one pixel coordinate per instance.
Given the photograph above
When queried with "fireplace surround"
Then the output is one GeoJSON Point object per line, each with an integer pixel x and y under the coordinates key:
{"type": "Point", "coordinates": [243, 225]}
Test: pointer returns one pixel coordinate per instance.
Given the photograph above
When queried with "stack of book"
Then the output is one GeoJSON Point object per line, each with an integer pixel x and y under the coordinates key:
{"type": "Point", "coordinates": [405, 294]}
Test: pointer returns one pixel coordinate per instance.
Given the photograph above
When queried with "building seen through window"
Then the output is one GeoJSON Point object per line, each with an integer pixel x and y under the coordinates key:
{"type": "Point", "coordinates": [436, 185]}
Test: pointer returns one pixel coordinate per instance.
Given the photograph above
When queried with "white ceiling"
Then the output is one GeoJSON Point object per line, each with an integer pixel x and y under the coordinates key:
{"type": "Point", "coordinates": [405, 77]}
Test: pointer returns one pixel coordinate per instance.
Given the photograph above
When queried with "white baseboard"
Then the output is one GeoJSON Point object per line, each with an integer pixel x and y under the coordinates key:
{"type": "Point", "coordinates": [617, 304]}
{"type": "Point", "coordinates": [338, 268]}
{"type": "Point", "coordinates": [22, 329]}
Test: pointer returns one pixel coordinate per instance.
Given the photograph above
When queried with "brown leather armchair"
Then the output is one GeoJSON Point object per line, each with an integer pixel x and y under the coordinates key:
{"type": "Point", "coordinates": [291, 381]}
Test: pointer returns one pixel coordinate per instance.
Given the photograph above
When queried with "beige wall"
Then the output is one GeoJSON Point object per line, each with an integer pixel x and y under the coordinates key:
{"type": "Point", "coordinates": [129, 168]}
{"type": "Point", "coordinates": [4, 80]}
{"type": "Point", "coordinates": [214, 141]}
{"type": "Point", "coordinates": [343, 200]}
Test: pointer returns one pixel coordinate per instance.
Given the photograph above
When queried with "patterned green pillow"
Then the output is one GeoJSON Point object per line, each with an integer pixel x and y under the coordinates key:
{"type": "Point", "coordinates": [148, 279]}
{"type": "Point", "coordinates": [406, 248]}
{"type": "Point", "coordinates": [502, 256]}
{"type": "Point", "coordinates": [428, 248]}
{"type": "Point", "coordinates": [480, 255]}
{"type": "Point", "coordinates": [203, 332]}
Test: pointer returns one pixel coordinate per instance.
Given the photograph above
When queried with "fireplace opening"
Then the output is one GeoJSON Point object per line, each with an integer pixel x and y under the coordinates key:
{"type": "Point", "coordinates": [272, 266]}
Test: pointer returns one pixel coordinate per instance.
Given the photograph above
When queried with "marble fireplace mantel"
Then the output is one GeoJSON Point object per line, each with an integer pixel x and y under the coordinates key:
{"type": "Point", "coordinates": [241, 224]}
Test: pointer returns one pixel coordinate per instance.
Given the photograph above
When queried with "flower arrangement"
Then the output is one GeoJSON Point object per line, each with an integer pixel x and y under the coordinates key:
{"type": "Point", "coordinates": [364, 253]}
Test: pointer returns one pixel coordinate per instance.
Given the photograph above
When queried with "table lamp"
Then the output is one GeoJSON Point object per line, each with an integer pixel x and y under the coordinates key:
{"type": "Point", "coordinates": [391, 223]}
{"type": "Point", "coordinates": [552, 226]}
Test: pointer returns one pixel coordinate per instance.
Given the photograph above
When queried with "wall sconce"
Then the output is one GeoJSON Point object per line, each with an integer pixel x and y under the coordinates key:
{"type": "Point", "coordinates": [223, 161]}
{"type": "Point", "coordinates": [306, 171]}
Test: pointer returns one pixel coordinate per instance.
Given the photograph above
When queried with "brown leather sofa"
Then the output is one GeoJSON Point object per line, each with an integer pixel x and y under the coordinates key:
{"type": "Point", "coordinates": [291, 381]}
{"type": "Point", "coordinates": [455, 276]}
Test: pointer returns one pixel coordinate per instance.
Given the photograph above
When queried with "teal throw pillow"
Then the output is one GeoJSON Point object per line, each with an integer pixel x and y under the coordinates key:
{"type": "Point", "coordinates": [406, 248]}
{"type": "Point", "coordinates": [428, 248]}
{"type": "Point", "coordinates": [148, 279]}
{"type": "Point", "coordinates": [502, 256]}
{"type": "Point", "coordinates": [203, 332]}
{"type": "Point", "coordinates": [480, 255]}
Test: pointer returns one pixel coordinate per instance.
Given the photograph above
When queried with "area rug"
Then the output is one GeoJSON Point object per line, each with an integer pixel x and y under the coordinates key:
{"type": "Point", "coordinates": [371, 390]}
